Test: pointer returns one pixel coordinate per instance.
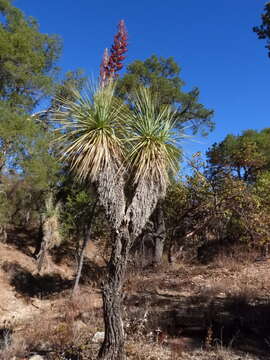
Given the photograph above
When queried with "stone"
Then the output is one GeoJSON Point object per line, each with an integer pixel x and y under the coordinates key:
{"type": "Point", "coordinates": [98, 337]}
{"type": "Point", "coordinates": [36, 357]}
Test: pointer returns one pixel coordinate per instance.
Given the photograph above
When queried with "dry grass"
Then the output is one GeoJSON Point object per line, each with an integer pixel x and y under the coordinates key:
{"type": "Point", "coordinates": [140, 350]}
{"type": "Point", "coordinates": [247, 282]}
{"type": "Point", "coordinates": [226, 277]}
{"type": "Point", "coordinates": [60, 324]}
{"type": "Point", "coordinates": [219, 353]}
{"type": "Point", "coordinates": [65, 325]}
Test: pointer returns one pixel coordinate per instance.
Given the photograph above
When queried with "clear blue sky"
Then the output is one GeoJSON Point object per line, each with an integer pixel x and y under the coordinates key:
{"type": "Point", "coordinates": [212, 40]}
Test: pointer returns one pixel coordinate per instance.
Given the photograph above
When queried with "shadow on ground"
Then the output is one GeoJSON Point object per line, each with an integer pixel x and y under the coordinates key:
{"type": "Point", "coordinates": [65, 253]}
{"type": "Point", "coordinates": [27, 284]}
{"type": "Point", "coordinates": [23, 238]}
{"type": "Point", "coordinates": [235, 321]}
{"type": "Point", "coordinates": [92, 274]}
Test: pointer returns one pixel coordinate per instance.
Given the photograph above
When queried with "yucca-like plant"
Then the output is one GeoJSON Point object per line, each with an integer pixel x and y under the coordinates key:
{"type": "Point", "coordinates": [127, 154]}
{"type": "Point", "coordinates": [152, 155]}
{"type": "Point", "coordinates": [50, 230]}
{"type": "Point", "coordinates": [92, 142]}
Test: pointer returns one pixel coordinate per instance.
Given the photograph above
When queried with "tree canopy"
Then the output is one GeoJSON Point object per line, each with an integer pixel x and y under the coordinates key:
{"type": "Point", "coordinates": [244, 156]}
{"type": "Point", "coordinates": [27, 75]}
{"type": "Point", "coordinates": [162, 76]}
{"type": "Point", "coordinates": [28, 59]}
{"type": "Point", "coordinates": [263, 31]}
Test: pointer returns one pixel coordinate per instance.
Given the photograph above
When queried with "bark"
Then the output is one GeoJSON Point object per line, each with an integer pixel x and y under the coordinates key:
{"type": "Point", "coordinates": [39, 238]}
{"type": "Point", "coordinates": [86, 239]}
{"type": "Point", "coordinates": [41, 256]}
{"type": "Point", "coordinates": [113, 345]}
{"type": "Point", "coordinates": [159, 246]}
{"type": "Point", "coordinates": [170, 251]}
{"type": "Point", "coordinates": [159, 235]}
{"type": "Point", "coordinates": [3, 234]}
{"type": "Point", "coordinates": [110, 189]}
{"type": "Point", "coordinates": [146, 249]}
{"type": "Point", "coordinates": [2, 164]}
{"type": "Point", "coordinates": [3, 155]}
{"type": "Point", "coordinates": [150, 245]}
{"type": "Point", "coordinates": [143, 204]}
{"type": "Point", "coordinates": [128, 224]}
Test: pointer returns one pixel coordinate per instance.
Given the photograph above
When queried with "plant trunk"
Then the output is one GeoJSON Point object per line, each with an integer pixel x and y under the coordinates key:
{"type": "Point", "coordinates": [159, 235]}
{"type": "Point", "coordinates": [159, 246]}
{"type": "Point", "coordinates": [86, 239]}
{"type": "Point", "coordinates": [3, 234]}
{"type": "Point", "coordinates": [113, 345]}
{"type": "Point", "coordinates": [41, 248]}
{"type": "Point", "coordinates": [2, 163]}
{"type": "Point", "coordinates": [3, 154]}
{"type": "Point", "coordinates": [170, 251]}
{"type": "Point", "coordinates": [39, 237]}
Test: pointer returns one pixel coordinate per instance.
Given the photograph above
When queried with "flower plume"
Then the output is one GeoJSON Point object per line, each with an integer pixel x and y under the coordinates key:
{"type": "Point", "coordinates": [113, 63]}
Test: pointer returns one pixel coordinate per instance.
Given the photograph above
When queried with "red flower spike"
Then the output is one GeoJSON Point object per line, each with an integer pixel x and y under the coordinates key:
{"type": "Point", "coordinates": [113, 63]}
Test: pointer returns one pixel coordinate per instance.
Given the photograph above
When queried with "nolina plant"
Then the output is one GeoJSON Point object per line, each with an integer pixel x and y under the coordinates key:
{"type": "Point", "coordinates": [116, 148]}
{"type": "Point", "coordinates": [50, 230]}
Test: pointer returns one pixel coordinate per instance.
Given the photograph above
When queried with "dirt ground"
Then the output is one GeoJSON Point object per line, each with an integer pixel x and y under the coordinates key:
{"type": "Point", "coordinates": [219, 311]}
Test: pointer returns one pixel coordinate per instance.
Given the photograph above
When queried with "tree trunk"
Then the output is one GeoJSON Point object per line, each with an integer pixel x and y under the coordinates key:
{"type": "Point", "coordinates": [159, 247]}
{"type": "Point", "coordinates": [3, 154]}
{"type": "Point", "coordinates": [86, 239]}
{"type": "Point", "coordinates": [39, 237]}
{"type": "Point", "coordinates": [113, 345]}
{"type": "Point", "coordinates": [159, 235]}
{"type": "Point", "coordinates": [3, 234]}
{"type": "Point", "coordinates": [2, 163]}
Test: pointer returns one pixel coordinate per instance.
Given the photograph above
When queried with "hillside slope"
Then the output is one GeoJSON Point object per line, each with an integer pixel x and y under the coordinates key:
{"type": "Point", "coordinates": [180, 311]}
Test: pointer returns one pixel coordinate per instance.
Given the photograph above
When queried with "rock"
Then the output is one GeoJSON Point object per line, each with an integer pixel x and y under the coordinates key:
{"type": "Point", "coordinates": [36, 357]}
{"type": "Point", "coordinates": [98, 337]}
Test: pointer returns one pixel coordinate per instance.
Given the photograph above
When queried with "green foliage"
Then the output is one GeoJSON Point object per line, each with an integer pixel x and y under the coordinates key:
{"type": "Point", "coordinates": [221, 209]}
{"type": "Point", "coordinates": [77, 206]}
{"type": "Point", "coordinates": [262, 188]}
{"type": "Point", "coordinates": [97, 125]}
{"type": "Point", "coordinates": [5, 211]}
{"type": "Point", "coordinates": [175, 205]}
{"type": "Point", "coordinates": [27, 76]}
{"type": "Point", "coordinates": [76, 210]}
{"type": "Point", "coordinates": [152, 138]}
{"type": "Point", "coordinates": [263, 31]}
{"type": "Point", "coordinates": [27, 59]}
{"type": "Point", "coordinates": [244, 156]}
{"type": "Point", "coordinates": [28, 168]}
{"type": "Point", "coordinates": [159, 73]}
{"type": "Point", "coordinates": [64, 90]}
{"type": "Point", "coordinates": [162, 76]}
{"type": "Point", "coordinates": [88, 130]}
{"type": "Point", "coordinates": [20, 202]}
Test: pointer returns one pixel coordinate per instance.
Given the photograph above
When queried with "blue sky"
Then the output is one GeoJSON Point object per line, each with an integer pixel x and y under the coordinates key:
{"type": "Point", "coordinates": [211, 40]}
